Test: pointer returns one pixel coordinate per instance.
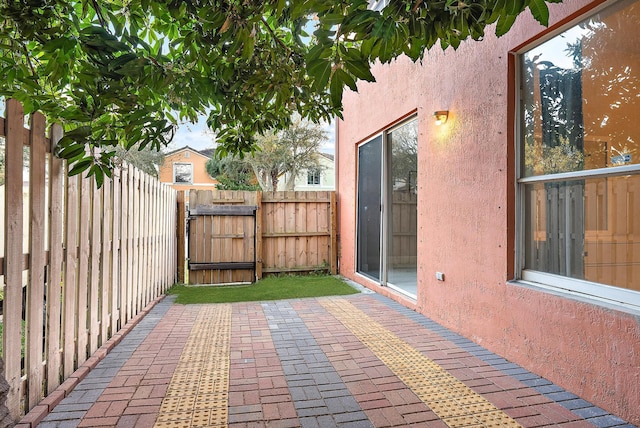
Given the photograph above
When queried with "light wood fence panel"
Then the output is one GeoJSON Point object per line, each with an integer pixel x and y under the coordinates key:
{"type": "Point", "coordinates": [70, 274]}
{"type": "Point", "coordinates": [404, 235]}
{"type": "Point", "coordinates": [13, 255]}
{"type": "Point", "coordinates": [56, 252]}
{"type": "Point", "coordinates": [91, 260]}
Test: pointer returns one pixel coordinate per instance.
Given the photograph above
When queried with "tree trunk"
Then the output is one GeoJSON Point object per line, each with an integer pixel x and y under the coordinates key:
{"type": "Point", "coordinates": [291, 180]}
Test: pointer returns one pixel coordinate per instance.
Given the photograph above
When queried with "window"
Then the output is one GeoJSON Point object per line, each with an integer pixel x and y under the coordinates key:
{"type": "Point", "coordinates": [313, 177]}
{"type": "Point", "coordinates": [579, 182]}
{"type": "Point", "coordinates": [182, 172]}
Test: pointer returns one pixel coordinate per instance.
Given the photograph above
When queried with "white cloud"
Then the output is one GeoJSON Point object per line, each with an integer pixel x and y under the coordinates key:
{"type": "Point", "coordinates": [329, 146]}
{"type": "Point", "coordinates": [199, 137]}
{"type": "Point", "coordinates": [194, 135]}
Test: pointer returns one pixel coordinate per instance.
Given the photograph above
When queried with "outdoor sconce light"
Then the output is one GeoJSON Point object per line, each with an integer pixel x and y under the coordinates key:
{"type": "Point", "coordinates": [441, 116]}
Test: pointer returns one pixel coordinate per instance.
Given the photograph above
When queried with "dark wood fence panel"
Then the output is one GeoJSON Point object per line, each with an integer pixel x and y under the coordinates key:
{"type": "Point", "coordinates": [295, 232]}
{"type": "Point", "coordinates": [222, 237]}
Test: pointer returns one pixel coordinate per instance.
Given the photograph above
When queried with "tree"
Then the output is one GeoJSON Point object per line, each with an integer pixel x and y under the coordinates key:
{"type": "Point", "coordinates": [232, 173]}
{"type": "Point", "coordinates": [286, 152]}
{"type": "Point", "coordinates": [145, 159]}
{"type": "Point", "coordinates": [124, 72]}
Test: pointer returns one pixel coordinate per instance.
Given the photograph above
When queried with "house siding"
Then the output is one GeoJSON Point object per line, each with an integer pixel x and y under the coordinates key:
{"type": "Point", "coordinates": [466, 217]}
{"type": "Point", "coordinates": [201, 179]}
{"type": "Point", "coordinates": [327, 177]}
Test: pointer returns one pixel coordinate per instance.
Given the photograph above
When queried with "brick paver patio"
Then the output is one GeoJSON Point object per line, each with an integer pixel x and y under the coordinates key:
{"type": "Point", "coordinates": [356, 361]}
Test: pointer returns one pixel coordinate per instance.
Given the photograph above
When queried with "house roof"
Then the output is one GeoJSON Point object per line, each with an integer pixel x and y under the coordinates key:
{"type": "Point", "coordinates": [204, 153]}
{"type": "Point", "coordinates": [207, 152]}
{"type": "Point", "coordinates": [327, 155]}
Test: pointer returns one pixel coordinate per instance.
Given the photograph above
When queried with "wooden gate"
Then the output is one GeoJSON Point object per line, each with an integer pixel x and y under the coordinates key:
{"type": "Point", "coordinates": [292, 232]}
{"type": "Point", "coordinates": [221, 240]}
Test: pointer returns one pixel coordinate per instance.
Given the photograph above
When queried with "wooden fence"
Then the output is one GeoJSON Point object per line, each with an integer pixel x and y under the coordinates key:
{"type": "Point", "coordinates": [85, 262]}
{"type": "Point", "coordinates": [403, 250]}
{"type": "Point", "coordinates": [295, 231]}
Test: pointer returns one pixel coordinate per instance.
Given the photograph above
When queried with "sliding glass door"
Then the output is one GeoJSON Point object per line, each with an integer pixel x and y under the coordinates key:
{"type": "Point", "coordinates": [402, 212]}
{"type": "Point", "coordinates": [369, 208]}
{"type": "Point", "coordinates": [387, 217]}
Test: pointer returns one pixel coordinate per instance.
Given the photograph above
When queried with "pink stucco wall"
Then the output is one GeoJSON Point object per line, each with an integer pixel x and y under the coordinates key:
{"type": "Point", "coordinates": [466, 217]}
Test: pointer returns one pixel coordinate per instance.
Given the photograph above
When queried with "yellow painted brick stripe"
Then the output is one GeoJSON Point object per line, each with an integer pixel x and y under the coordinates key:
{"type": "Point", "coordinates": [450, 399]}
{"type": "Point", "coordinates": [198, 393]}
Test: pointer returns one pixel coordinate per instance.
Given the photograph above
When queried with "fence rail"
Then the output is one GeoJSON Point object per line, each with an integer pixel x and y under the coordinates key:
{"type": "Point", "coordinates": [295, 231]}
{"type": "Point", "coordinates": [78, 261]}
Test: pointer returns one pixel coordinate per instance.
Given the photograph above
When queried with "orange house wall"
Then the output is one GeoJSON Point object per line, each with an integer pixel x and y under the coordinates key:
{"type": "Point", "coordinates": [201, 180]}
{"type": "Point", "coordinates": [466, 212]}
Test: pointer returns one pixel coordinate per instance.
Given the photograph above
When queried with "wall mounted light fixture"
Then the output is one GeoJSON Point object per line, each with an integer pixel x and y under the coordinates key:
{"type": "Point", "coordinates": [441, 116]}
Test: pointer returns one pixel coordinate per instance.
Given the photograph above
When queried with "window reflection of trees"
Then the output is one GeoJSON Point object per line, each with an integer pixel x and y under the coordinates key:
{"type": "Point", "coordinates": [183, 173]}
{"type": "Point", "coordinates": [404, 157]}
{"type": "Point", "coordinates": [580, 111]}
{"type": "Point", "coordinates": [584, 115]}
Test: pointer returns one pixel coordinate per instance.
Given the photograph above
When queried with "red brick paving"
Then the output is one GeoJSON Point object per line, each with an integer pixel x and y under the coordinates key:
{"type": "Point", "coordinates": [134, 396]}
{"type": "Point", "coordinates": [259, 394]}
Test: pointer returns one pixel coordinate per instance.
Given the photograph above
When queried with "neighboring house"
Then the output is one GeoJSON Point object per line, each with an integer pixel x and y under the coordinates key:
{"type": "Point", "coordinates": [322, 178]}
{"type": "Point", "coordinates": [185, 169]}
{"type": "Point", "coordinates": [512, 216]}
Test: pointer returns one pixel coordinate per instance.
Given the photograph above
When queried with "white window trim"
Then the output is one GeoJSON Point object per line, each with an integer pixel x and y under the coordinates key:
{"type": "Point", "coordinates": [602, 294]}
{"type": "Point", "coordinates": [174, 172]}
{"type": "Point", "coordinates": [615, 295]}
{"type": "Point", "coordinates": [613, 171]}
{"type": "Point", "coordinates": [319, 178]}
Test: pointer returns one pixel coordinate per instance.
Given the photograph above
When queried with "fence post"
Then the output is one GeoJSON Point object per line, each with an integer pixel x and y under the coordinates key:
{"type": "Point", "coordinates": [13, 258]}
{"type": "Point", "coordinates": [180, 235]}
{"type": "Point", "coordinates": [37, 262]}
{"type": "Point", "coordinates": [258, 236]}
{"type": "Point", "coordinates": [56, 179]}
{"type": "Point", "coordinates": [333, 209]}
{"type": "Point", "coordinates": [70, 275]}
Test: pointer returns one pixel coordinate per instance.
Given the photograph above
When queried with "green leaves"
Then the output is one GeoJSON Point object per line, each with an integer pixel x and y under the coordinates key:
{"type": "Point", "coordinates": [540, 11]}
{"type": "Point", "coordinates": [320, 71]}
{"type": "Point", "coordinates": [123, 73]}
{"type": "Point", "coordinates": [505, 22]}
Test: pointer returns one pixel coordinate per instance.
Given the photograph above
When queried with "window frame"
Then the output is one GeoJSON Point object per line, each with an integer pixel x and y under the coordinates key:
{"type": "Point", "coordinates": [315, 172]}
{"type": "Point", "coordinates": [190, 164]}
{"type": "Point", "coordinates": [384, 202]}
{"type": "Point", "coordinates": [603, 294]}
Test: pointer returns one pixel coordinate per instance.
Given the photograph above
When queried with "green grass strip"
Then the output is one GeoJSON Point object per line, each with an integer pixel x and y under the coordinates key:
{"type": "Point", "coordinates": [270, 288]}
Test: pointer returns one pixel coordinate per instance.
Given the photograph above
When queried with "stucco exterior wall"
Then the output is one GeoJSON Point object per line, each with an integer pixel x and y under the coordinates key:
{"type": "Point", "coordinates": [466, 218]}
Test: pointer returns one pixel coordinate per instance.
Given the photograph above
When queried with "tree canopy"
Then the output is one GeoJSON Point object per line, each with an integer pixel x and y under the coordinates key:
{"type": "Point", "coordinates": [286, 152]}
{"type": "Point", "coordinates": [125, 72]}
{"type": "Point", "coordinates": [232, 173]}
{"type": "Point", "coordinates": [148, 159]}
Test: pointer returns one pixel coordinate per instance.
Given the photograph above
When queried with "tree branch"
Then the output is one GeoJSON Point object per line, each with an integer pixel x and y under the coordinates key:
{"type": "Point", "coordinates": [275, 37]}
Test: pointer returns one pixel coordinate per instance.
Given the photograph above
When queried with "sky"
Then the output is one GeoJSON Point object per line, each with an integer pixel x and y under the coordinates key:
{"type": "Point", "coordinates": [197, 137]}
